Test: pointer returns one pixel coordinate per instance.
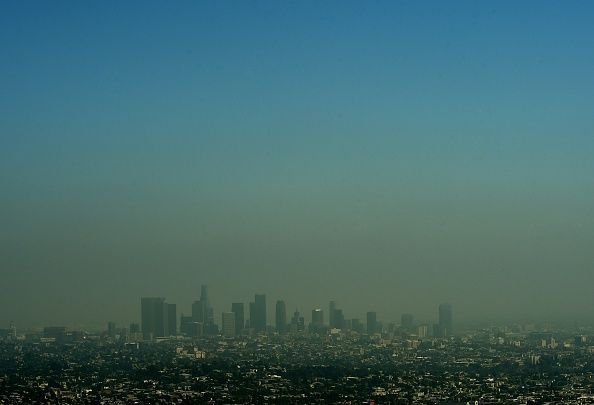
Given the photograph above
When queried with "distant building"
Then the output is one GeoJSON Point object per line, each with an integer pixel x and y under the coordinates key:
{"type": "Point", "coordinates": [252, 320]}
{"type": "Point", "coordinates": [134, 328]}
{"type": "Point", "coordinates": [189, 327]}
{"type": "Point", "coordinates": [111, 329]}
{"type": "Point", "coordinates": [228, 321]}
{"type": "Point", "coordinates": [238, 309]}
{"type": "Point", "coordinates": [423, 331]}
{"type": "Point", "coordinates": [445, 325]}
{"type": "Point", "coordinates": [171, 319]}
{"type": "Point", "coordinates": [259, 323]}
{"type": "Point", "coordinates": [55, 332]}
{"type": "Point", "coordinates": [371, 322]}
{"type": "Point", "coordinates": [357, 325]}
{"type": "Point", "coordinates": [281, 317]}
{"type": "Point", "coordinates": [297, 323]}
{"type": "Point", "coordinates": [154, 312]}
{"type": "Point", "coordinates": [317, 320]}
{"type": "Point", "coordinates": [339, 322]}
{"type": "Point", "coordinates": [331, 314]}
{"type": "Point", "coordinates": [406, 323]}
{"type": "Point", "coordinates": [197, 311]}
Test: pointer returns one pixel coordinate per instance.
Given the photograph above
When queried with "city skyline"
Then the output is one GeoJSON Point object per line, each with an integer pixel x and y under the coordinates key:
{"type": "Point", "coordinates": [393, 155]}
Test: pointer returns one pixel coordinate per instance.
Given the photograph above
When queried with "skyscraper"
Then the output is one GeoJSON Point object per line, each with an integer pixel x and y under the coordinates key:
{"type": "Point", "coordinates": [406, 322]}
{"type": "Point", "coordinates": [339, 322]}
{"type": "Point", "coordinates": [171, 319]}
{"type": "Point", "coordinates": [445, 326]}
{"type": "Point", "coordinates": [228, 319]}
{"type": "Point", "coordinates": [331, 314]}
{"type": "Point", "coordinates": [371, 322]}
{"type": "Point", "coordinates": [238, 309]}
{"type": "Point", "coordinates": [252, 315]}
{"type": "Point", "coordinates": [260, 313]}
{"type": "Point", "coordinates": [153, 317]}
{"type": "Point", "coordinates": [297, 323]}
{"type": "Point", "coordinates": [198, 311]}
{"type": "Point", "coordinates": [111, 329]}
{"type": "Point", "coordinates": [281, 317]}
{"type": "Point", "coordinates": [317, 320]}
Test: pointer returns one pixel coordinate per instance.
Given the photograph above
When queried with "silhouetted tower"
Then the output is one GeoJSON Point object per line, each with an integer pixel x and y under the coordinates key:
{"type": "Point", "coordinates": [445, 326]}
{"type": "Point", "coordinates": [281, 317]}
{"type": "Point", "coordinates": [260, 313]}
{"type": "Point", "coordinates": [317, 319]}
{"type": "Point", "coordinates": [171, 319]}
{"type": "Point", "coordinates": [371, 322]}
{"type": "Point", "coordinates": [153, 317]}
{"type": "Point", "coordinates": [111, 329]}
{"type": "Point", "coordinates": [208, 316]}
{"type": "Point", "coordinates": [228, 320]}
{"type": "Point", "coordinates": [332, 315]}
{"type": "Point", "coordinates": [238, 309]}
{"type": "Point", "coordinates": [406, 322]}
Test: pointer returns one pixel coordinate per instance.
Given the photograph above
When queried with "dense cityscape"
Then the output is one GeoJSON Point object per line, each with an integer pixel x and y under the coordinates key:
{"type": "Point", "coordinates": [190, 359]}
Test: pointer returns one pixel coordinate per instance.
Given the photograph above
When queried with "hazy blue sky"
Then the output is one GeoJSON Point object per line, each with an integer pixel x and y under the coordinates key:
{"type": "Point", "coordinates": [388, 155]}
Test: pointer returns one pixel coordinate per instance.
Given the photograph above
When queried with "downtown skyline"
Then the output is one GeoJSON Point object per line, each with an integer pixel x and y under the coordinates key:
{"type": "Point", "coordinates": [388, 155]}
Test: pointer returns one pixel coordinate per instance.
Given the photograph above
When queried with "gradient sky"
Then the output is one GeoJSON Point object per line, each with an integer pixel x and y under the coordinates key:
{"type": "Point", "coordinates": [388, 155]}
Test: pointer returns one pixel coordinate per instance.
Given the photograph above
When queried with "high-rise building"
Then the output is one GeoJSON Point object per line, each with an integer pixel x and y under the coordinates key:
{"type": "Point", "coordinates": [445, 325]}
{"type": "Point", "coordinates": [406, 322]}
{"type": "Point", "coordinates": [297, 323]}
{"type": "Point", "coordinates": [252, 315]}
{"type": "Point", "coordinates": [371, 322]}
{"type": "Point", "coordinates": [228, 319]}
{"type": "Point", "coordinates": [111, 329]}
{"type": "Point", "coordinates": [331, 314]}
{"type": "Point", "coordinates": [339, 322]}
{"type": "Point", "coordinates": [171, 319]}
{"type": "Point", "coordinates": [189, 327]}
{"type": "Point", "coordinates": [423, 331]}
{"type": "Point", "coordinates": [55, 332]}
{"type": "Point", "coordinates": [281, 317]}
{"type": "Point", "coordinates": [317, 320]}
{"type": "Point", "coordinates": [204, 295]}
{"type": "Point", "coordinates": [317, 317]}
{"type": "Point", "coordinates": [260, 313]}
{"type": "Point", "coordinates": [198, 311]}
{"type": "Point", "coordinates": [154, 313]}
{"type": "Point", "coordinates": [238, 309]}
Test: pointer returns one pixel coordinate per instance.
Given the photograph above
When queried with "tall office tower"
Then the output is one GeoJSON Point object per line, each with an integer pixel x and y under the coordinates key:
{"type": "Point", "coordinates": [171, 319]}
{"type": "Point", "coordinates": [153, 317]}
{"type": "Point", "coordinates": [445, 321]}
{"type": "Point", "coordinates": [252, 315]}
{"type": "Point", "coordinates": [331, 314]}
{"type": "Point", "coordinates": [134, 328]}
{"type": "Point", "coordinates": [260, 313]}
{"type": "Point", "coordinates": [111, 329]}
{"type": "Point", "coordinates": [317, 319]}
{"type": "Point", "coordinates": [228, 324]}
{"type": "Point", "coordinates": [356, 325]}
{"type": "Point", "coordinates": [207, 311]}
{"type": "Point", "coordinates": [297, 323]}
{"type": "Point", "coordinates": [204, 295]}
{"type": "Point", "coordinates": [339, 322]}
{"type": "Point", "coordinates": [423, 331]}
{"type": "Point", "coordinates": [281, 317]}
{"type": "Point", "coordinates": [406, 322]}
{"type": "Point", "coordinates": [198, 311]}
{"type": "Point", "coordinates": [371, 322]}
{"type": "Point", "coordinates": [237, 308]}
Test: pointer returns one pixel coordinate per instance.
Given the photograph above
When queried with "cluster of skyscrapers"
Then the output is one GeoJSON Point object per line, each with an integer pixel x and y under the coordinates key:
{"type": "Point", "coordinates": [159, 319]}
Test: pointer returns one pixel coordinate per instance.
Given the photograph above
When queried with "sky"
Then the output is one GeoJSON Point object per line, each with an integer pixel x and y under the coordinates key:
{"type": "Point", "coordinates": [389, 155]}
